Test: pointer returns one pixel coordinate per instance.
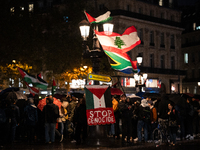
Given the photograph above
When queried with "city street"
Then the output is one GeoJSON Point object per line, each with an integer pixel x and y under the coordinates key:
{"type": "Point", "coordinates": [181, 145]}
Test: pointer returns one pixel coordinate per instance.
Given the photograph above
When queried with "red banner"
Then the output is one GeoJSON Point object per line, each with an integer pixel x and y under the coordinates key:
{"type": "Point", "coordinates": [100, 116]}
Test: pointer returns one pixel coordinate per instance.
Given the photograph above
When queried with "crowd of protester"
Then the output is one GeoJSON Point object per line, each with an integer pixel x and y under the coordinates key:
{"type": "Point", "coordinates": [21, 120]}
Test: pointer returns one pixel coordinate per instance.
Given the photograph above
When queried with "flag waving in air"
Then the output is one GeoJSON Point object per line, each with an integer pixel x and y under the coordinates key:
{"type": "Point", "coordinates": [37, 82]}
{"type": "Point", "coordinates": [53, 87]}
{"type": "Point", "coordinates": [119, 42]}
{"type": "Point", "coordinates": [122, 62]}
{"type": "Point", "coordinates": [116, 45]}
{"type": "Point", "coordinates": [32, 90]}
{"type": "Point", "coordinates": [101, 19]}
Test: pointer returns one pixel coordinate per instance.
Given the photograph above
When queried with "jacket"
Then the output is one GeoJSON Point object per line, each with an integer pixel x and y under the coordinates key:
{"type": "Point", "coordinates": [153, 114]}
{"type": "Point", "coordinates": [51, 113]}
{"type": "Point", "coordinates": [31, 115]}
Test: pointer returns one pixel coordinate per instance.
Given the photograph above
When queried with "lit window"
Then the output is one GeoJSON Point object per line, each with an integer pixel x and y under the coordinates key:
{"type": "Point", "coordinates": [186, 58]}
{"type": "Point", "coordinates": [12, 9]}
{"type": "Point", "coordinates": [161, 2]}
{"type": "Point", "coordinates": [194, 26]}
{"type": "Point", "coordinates": [31, 6]}
{"type": "Point", "coordinates": [22, 8]}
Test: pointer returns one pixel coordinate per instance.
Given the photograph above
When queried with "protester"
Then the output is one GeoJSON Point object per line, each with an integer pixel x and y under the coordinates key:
{"type": "Point", "coordinates": [80, 121]}
{"type": "Point", "coordinates": [51, 113]}
{"type": "Point", "coordinates": [196, 107]}
{"type": "Point", "coordinates": [126, 115]}
{"type": "Point", "coordinates": [153, 118]}
{"type": "Point", "coordinates": [135, 120]}
{"type": "Point", "coordinates": [143, 120]}
{"type": "Point", "coordinates": [70, 109]}
{"type": "Point", "coordinates": [31, 118]}
{"type": "Point", "coordinates": [61, 121]}
{"type": "Point", "coordinates": [189, 119]}
{"type": "Point", "coordinates": [173, 124]}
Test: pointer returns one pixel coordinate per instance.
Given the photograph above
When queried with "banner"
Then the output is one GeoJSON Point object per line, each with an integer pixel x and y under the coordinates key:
{"type": "Point", "coordinates": [99, 108]}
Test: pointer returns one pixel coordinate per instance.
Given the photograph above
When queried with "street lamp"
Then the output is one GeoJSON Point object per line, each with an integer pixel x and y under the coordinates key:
{"type": "Point", "coordinates": [140, 79]}
{"type": "Point", "coordinates": [139, 59]}
{"type": "Point", "coordinates": [85, 29]}
{"type": "Point", "coordinates": [96, 52]}
{"type": "Point", "coordinates": [97, 133]}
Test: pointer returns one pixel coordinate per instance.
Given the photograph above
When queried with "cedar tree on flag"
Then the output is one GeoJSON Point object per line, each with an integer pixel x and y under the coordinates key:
{"type": "Point", "coordinates": [99, 108]}
{"type": "Point", "coordinates": [53, 87]}
{"type": "Point", "coordinates": [37, 82]}
{"type": "Point", "coordinates": [119, 42]}
{"type": "Point", "coordinates": [101, 19]}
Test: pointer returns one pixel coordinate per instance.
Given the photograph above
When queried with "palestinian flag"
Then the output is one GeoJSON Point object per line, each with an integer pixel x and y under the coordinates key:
{"type": "Point", "coordinates": [99, 108]}
{"type": "Point", "coordinates": [122, 62]}
{"type": "Point", "coordinates": [32, 90]}
{"type": "Point", "coordinates": [37, 82]}
{"type": "Point", "coordinates": [41, 83]}
{"type": "Point", "coordinates": [101, 19]}
{"type": "Point", "coordinates": [119, 42]}
{"type": "Point", "coordinates": [53, 87]}
{"type": "Point", "coordinates": [27, 77]}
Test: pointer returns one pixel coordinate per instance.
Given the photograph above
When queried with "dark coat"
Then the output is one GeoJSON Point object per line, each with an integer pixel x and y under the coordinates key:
{"type": "Point", "coordinates": [124, 110]}
{"type": "Point", "coordinates": [31, 115]}
{"type": "Point", "coordinates": [80, 114]}
{"type": "Point", "coordinates": [50, 113]}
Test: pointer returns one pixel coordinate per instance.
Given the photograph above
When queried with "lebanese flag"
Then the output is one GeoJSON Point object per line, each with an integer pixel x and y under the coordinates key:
{"type": "Point", "coordinates": [119, 42]}
{"type": "Point", "coordinates": [99, 108]}
{"type": "Point", "coordinates": [32, 90]}
{"type": "Point", "coordinates": [101, 19]}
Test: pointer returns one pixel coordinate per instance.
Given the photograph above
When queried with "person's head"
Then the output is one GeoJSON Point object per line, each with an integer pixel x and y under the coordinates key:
{"type": "Point", "coordinates": [31, 100]}
{"type": "Point", "coordinates": [49, 100]}
{"type": "Point", "coordinates": [170, 106]}
{"type": "Point", "coordinates": [123, 97]}
{"type": "Point", "coordinates": [128, 99]}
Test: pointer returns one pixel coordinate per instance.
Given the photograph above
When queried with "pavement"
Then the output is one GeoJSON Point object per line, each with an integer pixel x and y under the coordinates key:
{"type": "Point", "coordinates": [112, 144]}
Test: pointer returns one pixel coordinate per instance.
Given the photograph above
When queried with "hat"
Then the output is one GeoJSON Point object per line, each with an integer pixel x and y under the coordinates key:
{"type": "Point", "coordinates": [144, 103]}
{"type": "Point", "coordinates": [150, 102]}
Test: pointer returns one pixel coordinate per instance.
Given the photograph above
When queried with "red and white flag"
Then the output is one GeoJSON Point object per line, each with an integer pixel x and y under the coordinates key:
{"type": "Point", "coordinates": [32, 90]}
{"type": "Point", "coordinates": [115, 42]}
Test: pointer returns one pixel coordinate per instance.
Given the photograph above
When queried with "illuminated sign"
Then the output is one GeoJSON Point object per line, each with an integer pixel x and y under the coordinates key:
{"type": "Point", "coordinates": [98, 77]}
{"type": "Point", "coordinates": [198, 28]}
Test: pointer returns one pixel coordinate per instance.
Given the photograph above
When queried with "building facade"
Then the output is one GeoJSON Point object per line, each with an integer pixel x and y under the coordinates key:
{"type": "Point", "coordinates": [158, 24]}
{"type": "Point", "coordinates": [191, 49]}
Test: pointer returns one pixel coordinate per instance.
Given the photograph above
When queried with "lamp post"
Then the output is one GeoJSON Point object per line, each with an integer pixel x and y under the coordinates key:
{"type": "Point", "coordinates": [96, 53]}
{"type": "Point", "coordinates": [98, 133]}
{"type": "Point", "coordinates": [140, 79]}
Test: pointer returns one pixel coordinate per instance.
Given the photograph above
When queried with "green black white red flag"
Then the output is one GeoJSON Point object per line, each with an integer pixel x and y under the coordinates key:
{"type": "Point", "coordinates": [99, 108]}
{"type": "Point", "coordinates": [37, 82]}
{"type": "Point", "coordinates": [53, 87]}
{"type": "Point", "coordinates": [101, 19]}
